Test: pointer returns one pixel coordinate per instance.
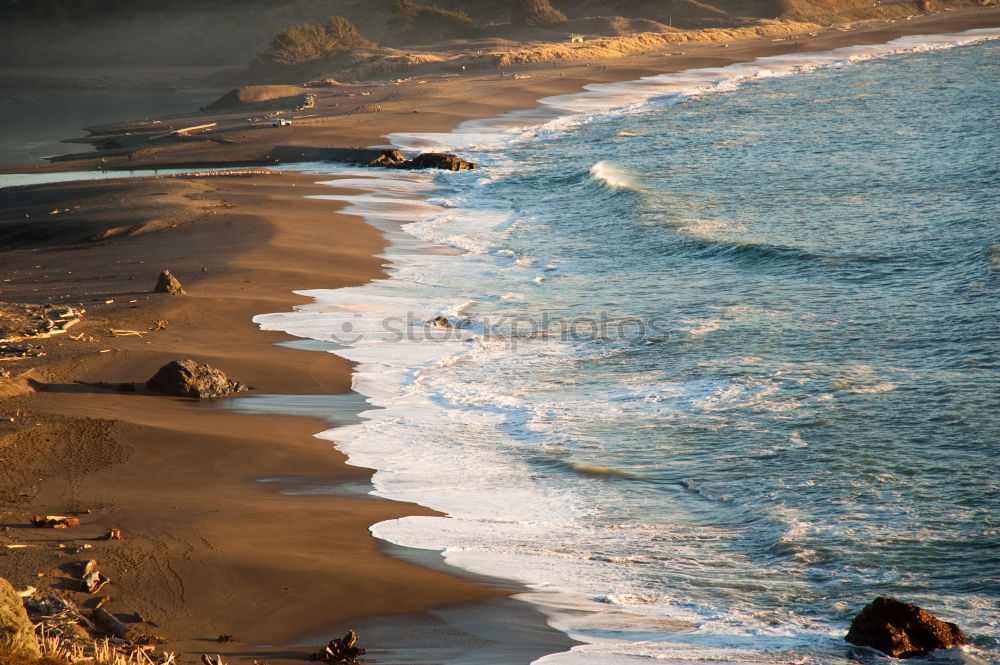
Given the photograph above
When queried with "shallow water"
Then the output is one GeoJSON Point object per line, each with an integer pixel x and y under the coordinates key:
{"type": "Point", "coordinates": [35, 121]}
{"type": "Point", "coordinates": [726, 362]}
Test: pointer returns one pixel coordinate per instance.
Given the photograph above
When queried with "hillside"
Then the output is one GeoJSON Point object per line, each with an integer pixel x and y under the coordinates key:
{"type": "Point", "coordinates": [193, 39]}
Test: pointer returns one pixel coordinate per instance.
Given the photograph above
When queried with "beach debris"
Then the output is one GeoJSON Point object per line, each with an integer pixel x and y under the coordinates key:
{"type": "Point", "coordinates": [224, 638]}
{"type": "Point", "coordinates": [99, 602]}
{"type": "Point", "coordinates": [20, 322]}
{"type": "Point", "coordinates": [94, 580]}
{"type": "Point", "coordinates": [58, 617]}
{"type": "Point", "coordinates": [343, 650]}
{"type": "Point", "coordinates": [17, 635]}
{"type": "Point", "coordinates": [186, 378]}
{"type": "Point", "coordinates": [183, 131]}
{"type": "Point", "coordinates": [902, 630]}
{"type": "Point", "coordinates": [116, 332]}
{"type": "Point", "coordinates": [212, 660]}
{"type": "Point", "coordinates": [113, 534]}
{"type": "Point", "coordinates": [54, 521]}
{"type": "Point", "coordinates": [110, 624]}
{"type": "Point", "coordinates": [28, 592]}
{"type": "Point", "coordinates": [87, 567]}
{"type": "Point", "coordinates": [19, 350]}
{"type": "Point", "coordinates": [440, 322]}
{"type": "Point", "coordinates": [167, 283]}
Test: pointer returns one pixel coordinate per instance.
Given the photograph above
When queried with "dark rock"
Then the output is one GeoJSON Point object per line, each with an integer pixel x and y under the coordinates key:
{"type": "Point", "coordinates": [440, 322]}
{"type": "Point", "coordinates": [901, 630]}
{"type": "Point", "coordinates": [186, 378]}
{"type": "Point", "coordinates": [389, 158]}
{"type": "Point", "coordinates": [439, 160]}
{"type": "Point", "coordinates": [17, 635]}
{"type": "Point", "coordinates": [167, 283]}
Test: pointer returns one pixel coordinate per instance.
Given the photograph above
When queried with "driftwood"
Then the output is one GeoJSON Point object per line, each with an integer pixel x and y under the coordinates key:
{"type": "Point", "coordinates": [52, 610]}
{"type": "Point", "coordinates": [344, 650]}
{"type": "Point", "coordinates": [113, 534]}
{"type": "Point", "coordinates": [184, 130]}
{"type": "Point", "coordinates": [112, 626]}
{"type": "Point", "coordinates": [54, 521]}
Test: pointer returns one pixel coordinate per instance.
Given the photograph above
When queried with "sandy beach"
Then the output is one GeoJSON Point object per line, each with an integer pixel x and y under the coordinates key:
{"type": "Point", "coordinates": [210, 548]}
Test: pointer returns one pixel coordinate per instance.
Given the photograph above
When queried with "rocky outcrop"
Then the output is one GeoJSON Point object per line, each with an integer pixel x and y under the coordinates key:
{"type": "Point", "coordinates": [186, 378]}
{"type": "Point", "coordinates": [389, 158]}
{"type": "Point", "coordinates": [394, 159]}
{"type": "Point", "coordinates": [438, 160]}
{"type": "Point", "coordinates": [902, 630]}
{"type": "Point", "coordinates": [17, 635]}
{"type": "Point", "coordinates": [167, 283]}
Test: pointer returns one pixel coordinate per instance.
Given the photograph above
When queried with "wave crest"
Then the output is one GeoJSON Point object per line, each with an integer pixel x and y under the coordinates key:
{"type": "Point", "coordinates": [613, 175]}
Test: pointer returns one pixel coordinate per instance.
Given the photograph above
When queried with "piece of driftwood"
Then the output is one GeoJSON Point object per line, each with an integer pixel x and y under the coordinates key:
{"type": "Point", "coordinates": [182, 131]}
{"type": "Point", "coordinates": [113, 534]}
{"type": "Point", "coordinates": [344, 650]}
{"type": "Point", "coordinates": [110, 624]}
{"type": "Point", "coordinates": [87, 567]}
{"type": "Point", "coordinates": [54, 521]}
{"type": "Point", "coordinates": [211, 660]}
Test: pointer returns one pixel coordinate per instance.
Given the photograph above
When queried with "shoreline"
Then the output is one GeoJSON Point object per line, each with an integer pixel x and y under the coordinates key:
{"type": "Point", "coordinates": [211, 531]}
{"type": "Point", "coordinates": [361, 114]}
{"type": "Point", "coordinates": [272, 384]}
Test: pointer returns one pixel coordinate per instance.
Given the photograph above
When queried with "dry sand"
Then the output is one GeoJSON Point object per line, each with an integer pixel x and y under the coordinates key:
{"type": "Point", "coordinates": [209, 549]}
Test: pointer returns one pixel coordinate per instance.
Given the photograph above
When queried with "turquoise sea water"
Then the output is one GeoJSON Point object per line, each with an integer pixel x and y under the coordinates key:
{"type": "Point", "coordinates": [726, 365]}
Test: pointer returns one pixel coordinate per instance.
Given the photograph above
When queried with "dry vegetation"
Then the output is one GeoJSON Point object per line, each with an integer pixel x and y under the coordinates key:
{"type": "Point", "coordinates": [306, 42]}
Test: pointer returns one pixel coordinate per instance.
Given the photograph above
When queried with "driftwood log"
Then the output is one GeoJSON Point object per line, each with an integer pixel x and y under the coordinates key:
{"type": "Point", "coordinates": [110, 624]}
{"type": "Point", "coordinates": [344, 650]}
{"type": "Point", "coordinates": [54, 521]}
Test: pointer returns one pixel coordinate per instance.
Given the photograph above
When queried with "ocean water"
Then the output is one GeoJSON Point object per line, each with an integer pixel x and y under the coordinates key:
{"type": "Point", "coordinates": [724, 357]}
{"type": "Point", "coordinates": [34, 122]}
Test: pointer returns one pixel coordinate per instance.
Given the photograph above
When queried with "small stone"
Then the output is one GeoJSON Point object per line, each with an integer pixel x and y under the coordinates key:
{"type": "Point", "coordinates": [167, 283]}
